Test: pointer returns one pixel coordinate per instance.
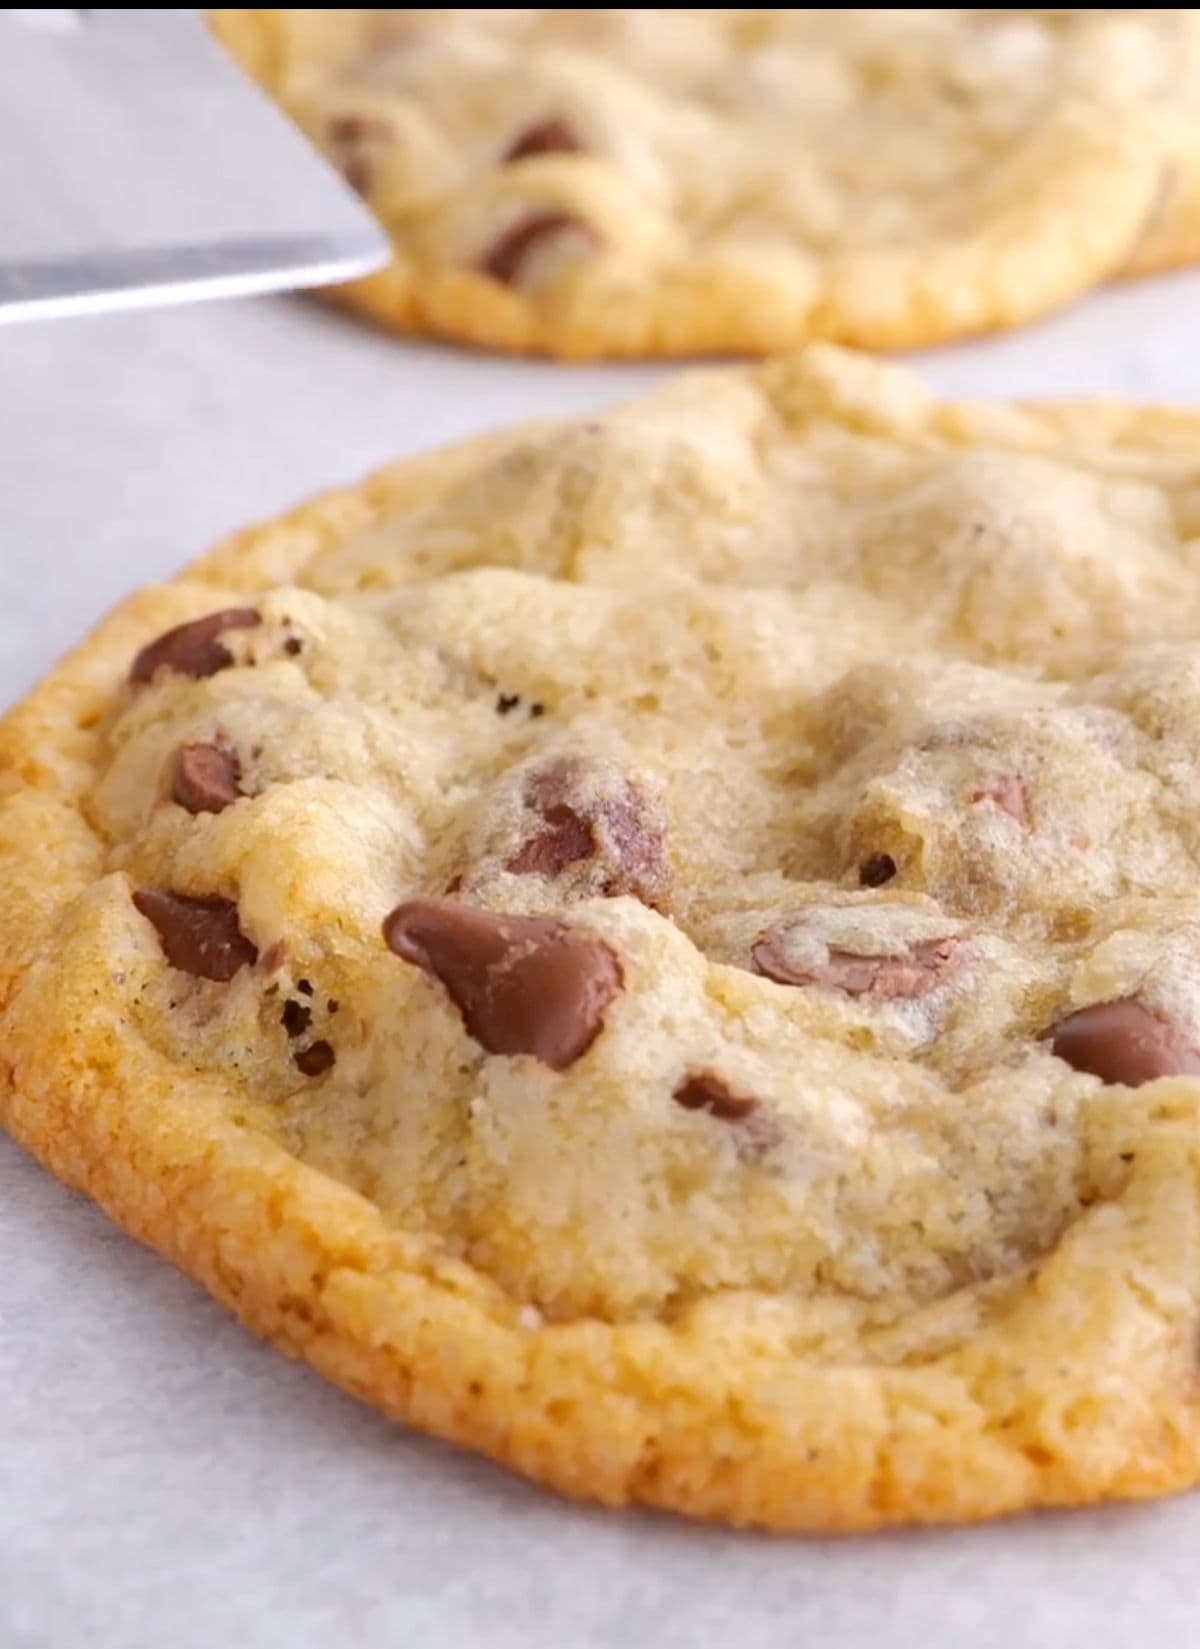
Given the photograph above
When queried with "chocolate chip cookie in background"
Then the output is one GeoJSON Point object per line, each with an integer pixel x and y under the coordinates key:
{"type": "Point", "coordinates": [642, 181]}
{"type": "Point", "coordinates": [663, 947]}
{"type": "Point", "coordinates": [1170, 233]}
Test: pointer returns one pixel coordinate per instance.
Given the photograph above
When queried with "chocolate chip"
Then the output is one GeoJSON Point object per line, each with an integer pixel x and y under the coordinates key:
{"type": "Point", "coordinates": [206, 778]}
{"type": "Point", "coordinates": [631, 836]}
{"type": "Point", "coordinates": [198, 936]}
{"type": "Point", "coordinates": [195, 648]}
{"type": "Point", "coordinates": [523, 984]}
{"type": "Point", "coordinates": [1009, 794]}
{"type": "Point", "coordinates": [705, 1091]}
{"type": "Point", "coordinates": [355, 128]}
{"type": "Point", "coordinates": [509, 254]}
{"type": "Point", "coordinates": [293, 646]}
{"type": "Point", "coordinates": [304, 987]}
{"type": "Point", "coordinates": [1124, 1041]}
{"type": "Point", "coordinates": [354, 139]}
{"type": "Point", "coordinates": [295, 1018]}
{"type": "Point", "coordinates": [565, 838]}
{"type": "Point", "coordinates": [902, 976]}
{"type": "Point", "coordinates": [357, 171]}
{"type": "Point", "coordinates": [876, 870]}
{"type": "Point", "coordinates": [536, 710]}
{"type": "Point", "coordinates": [597, 820]}
{"type": "Point", "coordinates": [314, 1060]}
{"type": "Point", "coordinates": [546, 137]}
{"type": "Point", "coordinates": [506, 702]}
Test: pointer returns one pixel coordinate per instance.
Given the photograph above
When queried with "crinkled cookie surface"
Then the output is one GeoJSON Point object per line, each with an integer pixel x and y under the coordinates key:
{"type": "Point", "coordinates": [647, 181]}
{"type": "Point", "coordinates": [666, 947]}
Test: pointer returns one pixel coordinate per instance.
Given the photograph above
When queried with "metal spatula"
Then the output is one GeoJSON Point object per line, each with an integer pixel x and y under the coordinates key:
{"type": "Point", "coordinates": [138, 165]}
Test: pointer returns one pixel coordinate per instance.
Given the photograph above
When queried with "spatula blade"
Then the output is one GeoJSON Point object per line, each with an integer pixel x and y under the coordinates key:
{"type": "Point", "coordinates": [144, 168]}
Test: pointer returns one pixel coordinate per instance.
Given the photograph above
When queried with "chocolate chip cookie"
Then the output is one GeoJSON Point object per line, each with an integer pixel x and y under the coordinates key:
{"type": "Point", "coordinates": [666, 182]}
{"type": "Point", "coordinates": [664, 947]}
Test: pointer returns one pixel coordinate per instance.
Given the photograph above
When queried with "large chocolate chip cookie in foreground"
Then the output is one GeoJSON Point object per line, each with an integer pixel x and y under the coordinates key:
{"type": "Point", "coordinates": [665, 948]}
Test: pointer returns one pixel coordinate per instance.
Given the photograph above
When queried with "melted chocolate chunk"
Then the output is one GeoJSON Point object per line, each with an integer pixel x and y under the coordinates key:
{"type": "Point", "coordinates": [564, 839]}
{"type": "Point", "coordinates": [705, 1091]}
{"type": "Point", "coordinates": [195, 648]}
{"type": "Point", "coordinates": [876, 870]}
{"type": "Point", "coordinates": [901, 976]}
{"type": "Point", "coordinates": [356, 128]}
{"type": "Point", "coordinates": [545, 137]}
{"type": "Point", "coordinates": [607, 828]}
{"type": "Point", "coordinates": [523, 984]}
{"type": "Point", "coordinates": [314, 1060]}
{"type": "Point", "coordinates": [207, 778]}
{"type": "Point", "coordinates": [506, 259]}
{"type": "Point", "coordinates": [198, 936]}
{"type": "Point", "coordinates": [1126, 1042]}
{"type": "Point", "coordinates": [295, 1018]}
{"type": "Point", "coordinates": [354, 140]}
